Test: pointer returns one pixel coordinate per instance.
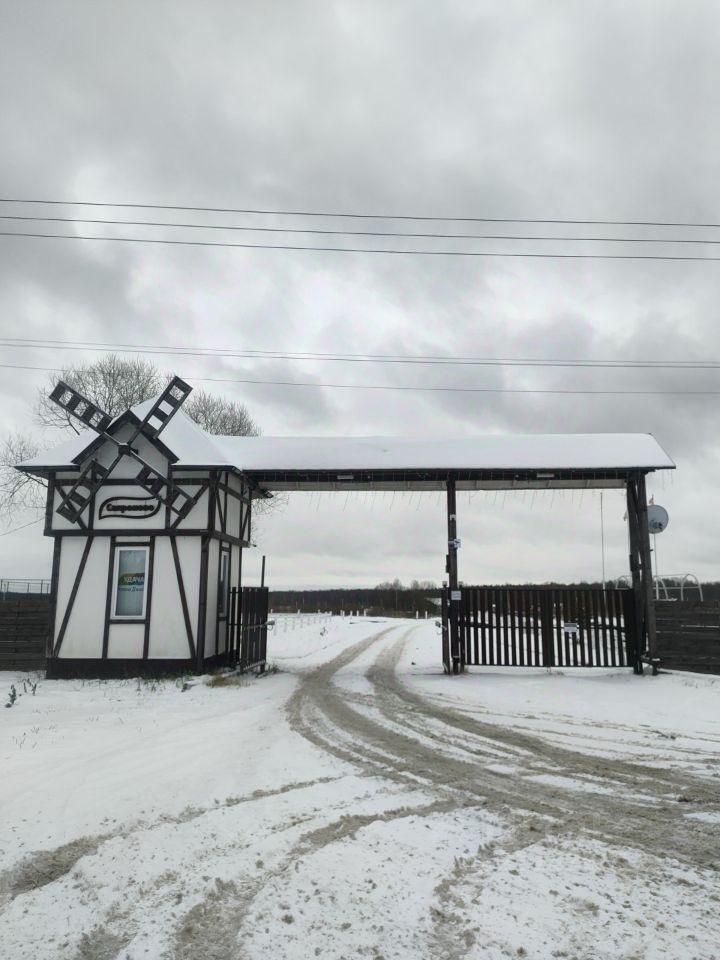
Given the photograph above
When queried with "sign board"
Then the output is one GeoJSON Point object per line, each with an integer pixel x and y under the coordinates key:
{"type": "Point", "coordinates": [135, 508]}
{"type": "Point", "coordinates": [456, 594]}
{"type": "Point", "coordinates": [572, 629]}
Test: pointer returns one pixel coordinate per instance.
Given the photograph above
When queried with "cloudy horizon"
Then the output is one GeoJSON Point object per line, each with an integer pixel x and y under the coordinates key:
{"type": "Point", "coordinates": [593, 111]}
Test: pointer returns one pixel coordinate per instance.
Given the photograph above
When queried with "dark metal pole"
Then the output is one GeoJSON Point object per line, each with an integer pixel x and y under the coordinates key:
{"type": "Point", "coordinates": [634, 534]}
{"type": "Point", "coordinates": [262, 572]}
{"type": "Point", "coordinates": [452, 571]}
{"type": "Point", "coordinates": [646, 574]}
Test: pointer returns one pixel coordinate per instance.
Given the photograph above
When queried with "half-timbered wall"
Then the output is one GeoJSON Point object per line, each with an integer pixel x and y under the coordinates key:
{"type": "Point", "coordinates": [184, 620]}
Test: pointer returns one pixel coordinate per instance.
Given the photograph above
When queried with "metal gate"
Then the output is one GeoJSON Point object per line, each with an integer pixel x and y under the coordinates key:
{"type": "Point", "coordinates": [247, 649]}
{"type": "Point", "coordinates": [538, 627]}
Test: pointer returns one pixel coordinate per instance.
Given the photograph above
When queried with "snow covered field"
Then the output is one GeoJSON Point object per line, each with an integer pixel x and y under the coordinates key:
{"type": "Point", "coordinates": [357, 803]}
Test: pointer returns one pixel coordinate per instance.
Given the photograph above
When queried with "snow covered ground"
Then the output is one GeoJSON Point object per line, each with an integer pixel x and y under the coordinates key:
{"type": "Point", "coordinates": [357, 803]}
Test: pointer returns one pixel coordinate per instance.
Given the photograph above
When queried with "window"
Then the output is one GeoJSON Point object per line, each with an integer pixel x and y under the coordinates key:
{"type": "Point", "coordinates": [131, 564]}
{"type": "Point", "coordinates": [224, 585]}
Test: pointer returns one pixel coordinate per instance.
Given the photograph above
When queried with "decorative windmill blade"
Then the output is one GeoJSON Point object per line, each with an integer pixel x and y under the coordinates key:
{"type": "Point", "coordinates": [93, 474]}
{"type": "Point", "coordinates": [78, 497]}
{"type": "Point", "coordinates": [161, 487]}
{"type": "Point", "coordinates": [164, 408]}
{"type": "Point", "coordinates": [79, 406]}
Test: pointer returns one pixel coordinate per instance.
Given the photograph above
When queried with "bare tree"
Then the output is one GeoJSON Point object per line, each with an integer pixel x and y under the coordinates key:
{"type": "Point", "coordinates": [114, 384]}
{"type": "Point", "coordinates": [18, 490]}
{"type": "Point", "coordinates": [219, 416]}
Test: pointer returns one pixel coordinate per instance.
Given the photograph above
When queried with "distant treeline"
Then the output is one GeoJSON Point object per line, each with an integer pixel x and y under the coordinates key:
{"type": "Point", "coordinates": [394, 599]}
{"type": "Point", "coordinates": [401, 602]}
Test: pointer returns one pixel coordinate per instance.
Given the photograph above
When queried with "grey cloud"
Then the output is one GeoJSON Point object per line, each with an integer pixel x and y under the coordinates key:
{"type": "Point", "coordinates": [549, 109]}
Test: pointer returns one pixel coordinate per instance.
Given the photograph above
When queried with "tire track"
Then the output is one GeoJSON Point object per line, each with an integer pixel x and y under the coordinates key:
{"type": "Point", "coordinates": [659, 828]}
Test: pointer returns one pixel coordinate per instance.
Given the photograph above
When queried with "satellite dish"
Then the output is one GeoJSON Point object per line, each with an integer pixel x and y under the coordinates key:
{"type": "Point", "coordinates": [657, 517]}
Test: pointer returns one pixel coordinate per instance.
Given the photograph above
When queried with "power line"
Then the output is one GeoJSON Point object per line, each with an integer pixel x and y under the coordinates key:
{"type": "Point", "coordinates": [225, 353]}
{"type": "Point", "coordinates": [359, 216]}
{"type": "Point", "coordinates": [424, 253]}
{"type": "Point", "coordinates": [421, 389]}
{"type": "Point", "coordinates": [355, 233]}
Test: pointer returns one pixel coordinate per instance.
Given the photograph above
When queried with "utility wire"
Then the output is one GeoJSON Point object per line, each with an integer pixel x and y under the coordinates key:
{"type": "Point", "coordinates": [424, 253]}
{"type": "Point", "coordinates": [221, 353]}
{"type": "Point", "coordinates": [422, 389]}
{"type": "Point", "coordinates": [358, 216]}
{"type": "Point", "coordinates": [354, 233]}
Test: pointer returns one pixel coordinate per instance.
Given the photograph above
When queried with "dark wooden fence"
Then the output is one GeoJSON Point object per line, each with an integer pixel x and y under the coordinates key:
{"type": "Point", "coordinates": [688, 634]}
{"type": "Point", "coordinates": [24, 627]}
{"type": "Point", "coordinates": [542, 627]}
{"type": "Point", "coordinates": [248, 628]}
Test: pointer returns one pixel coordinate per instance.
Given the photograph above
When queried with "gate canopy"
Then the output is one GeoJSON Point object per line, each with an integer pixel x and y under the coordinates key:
{"type": "Point", "coordinates": [494, 461]}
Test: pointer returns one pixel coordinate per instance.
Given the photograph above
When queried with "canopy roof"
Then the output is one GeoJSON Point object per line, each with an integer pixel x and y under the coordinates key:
{"type": "Point", "coordinates": [494, 460]}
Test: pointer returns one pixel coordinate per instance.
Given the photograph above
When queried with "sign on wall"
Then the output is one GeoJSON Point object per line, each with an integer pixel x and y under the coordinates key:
{"type": "Point", "coordinates": [136, 508]}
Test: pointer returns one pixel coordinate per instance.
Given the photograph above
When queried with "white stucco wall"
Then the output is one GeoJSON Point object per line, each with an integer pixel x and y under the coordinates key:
{"type": "Point", "coordinates": [84, 633]}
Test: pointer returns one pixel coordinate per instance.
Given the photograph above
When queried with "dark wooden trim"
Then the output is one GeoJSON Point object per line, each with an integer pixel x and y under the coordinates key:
{"type": "Point", "coordinates": [153, 532]}
{"type": "Point", "coordinates": [71, 598]}
{"type": "Point", "coordinates": [202, 602]}
{"type": "Point", "coordinates": [218, 506]}
{"type": "Point", "coordinates": [452, 572]}
{"type": "Point", "coordinates": [148, 599]}
{"type": "Point", "coordinates": [194, 500]}
{"type": "Point", "coordinates": [242, 496]}
{"type": "Point", "coordinates": [635, 655]}
{"type": "Point", "coordinates": [225, 504]}
{"type": "Point", "coordinates": [52, 606]}
{"type": "Point", "coordinates": [650, 636]}
{"type": "Point", "coordinates": [131, 482]}
{"type": "Point", "coordinates": [212, 493]}
{"type": "Point", "coordinates": [183, 598]}
{"type": "Point", "coordinates": [49, 504]}
{"type": "Point", "coordinates": [108, 598]}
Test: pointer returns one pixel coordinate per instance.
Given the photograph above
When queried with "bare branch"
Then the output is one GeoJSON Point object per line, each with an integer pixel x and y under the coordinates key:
{"type": "Point", "coordinates": [19, 491]}
{"type": "Point", "coordinates": [219, 416]}
{"type": "Point", "coordinates": [112, 382]}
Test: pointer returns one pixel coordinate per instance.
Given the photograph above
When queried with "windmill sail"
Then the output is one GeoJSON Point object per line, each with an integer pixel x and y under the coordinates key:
{"type": "Point", "coordinates": [93, 474]}
{"type": "Point", "coordinates": [80, 407]}
{"type": "Point", "coordinates": [165, 407]}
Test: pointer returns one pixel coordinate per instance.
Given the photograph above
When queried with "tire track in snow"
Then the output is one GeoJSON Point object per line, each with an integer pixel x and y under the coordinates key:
{"type": "Point", "coordinates": [659, 827]}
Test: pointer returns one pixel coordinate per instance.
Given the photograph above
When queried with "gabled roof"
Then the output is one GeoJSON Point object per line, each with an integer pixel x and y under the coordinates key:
{"type": "Point", "coordinates": [183, 440]}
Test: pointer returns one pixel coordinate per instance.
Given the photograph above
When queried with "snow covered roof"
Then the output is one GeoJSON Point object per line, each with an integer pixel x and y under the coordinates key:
{"type": "Point", "coordinates": [320, 462]}
{"type": "Point", "coordinates": [270, 457]}
{"type": "Point", "coordinates": [582, 451]}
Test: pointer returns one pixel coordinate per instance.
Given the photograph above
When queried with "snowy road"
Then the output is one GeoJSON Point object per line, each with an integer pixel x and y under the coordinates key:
{"type": "Point", "coordinates": [359, 804]}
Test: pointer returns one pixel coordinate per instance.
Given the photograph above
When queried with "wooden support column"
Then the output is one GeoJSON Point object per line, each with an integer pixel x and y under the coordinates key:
{"type": "Point", "coordinates": [635, 573]}
{"type": "Point", "coordinates": [202, 600]}
{"type": "Point", "coordinates": [453, 588]}
{"type": "Point", "coordinates": [646, 575]}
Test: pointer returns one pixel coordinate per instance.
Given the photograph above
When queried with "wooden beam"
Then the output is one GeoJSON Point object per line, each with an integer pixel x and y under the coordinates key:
{"type": "Point", "coordinates": [646, 574]}
{"type": "Point", "coordinates": [202, 602]}
{"type": "Point", "coordinates": [635, 573]}
{"type": "Point", "coordinates": [108, 599]}
{"type": "Point", "coordinates": [452, 570]}
{"type": "Point", "coordinates": [148, 599]}
{"type": "Point", "coordinates": [183, 597]}
{"type": "Point", "coordinates": [73, 594]}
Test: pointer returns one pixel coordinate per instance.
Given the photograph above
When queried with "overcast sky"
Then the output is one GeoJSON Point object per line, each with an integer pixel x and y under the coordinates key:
{"type": "Point", "coordinates": [554, 110]}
